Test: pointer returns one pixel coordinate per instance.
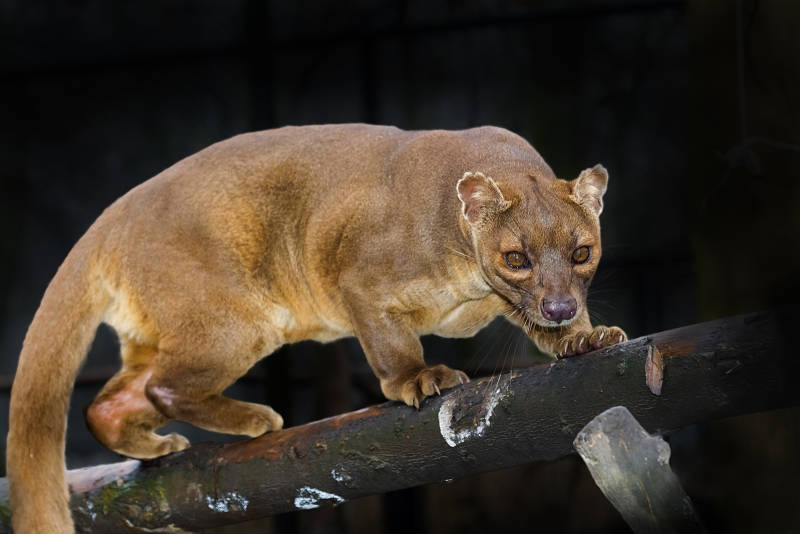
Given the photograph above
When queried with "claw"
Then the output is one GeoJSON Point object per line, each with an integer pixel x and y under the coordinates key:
{"type": "Point", "coordinates": [436, 388]}
{"type": "Point", "coordinates": [416, 403]}
{"type": "Point", "coordinates": [598, 343]}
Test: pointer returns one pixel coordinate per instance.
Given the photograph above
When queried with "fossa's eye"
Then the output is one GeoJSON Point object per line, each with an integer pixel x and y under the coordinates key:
{"type": "Point", "coordinates": [581, 255]}
{"type": "Point", "coordinates": [517, 260]}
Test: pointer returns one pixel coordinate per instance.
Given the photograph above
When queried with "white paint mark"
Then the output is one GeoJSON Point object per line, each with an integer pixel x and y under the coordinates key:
{"type": "Point", "coordinates": [90, 509]}
{"type": "Point", "coordinates": [231, 501]}
{"type": "Point", "coordinates": [452, 436]}
{"type": "Point", "coordinates": [340, 476]}
{"type": "Point", "coordinates": [308, 498]}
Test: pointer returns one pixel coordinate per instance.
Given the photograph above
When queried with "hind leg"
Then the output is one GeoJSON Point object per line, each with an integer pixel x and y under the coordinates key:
{"type": "Point", "coordinates": [191, 371]}
{"type": "Point", "coordinates": [122, 417]}
{"type": "Point", "coordinates": [214, 412]}
{"type": "Point", "coordinates": [211, 327]}
{"type": "Point", "coordinates": [194, 395]}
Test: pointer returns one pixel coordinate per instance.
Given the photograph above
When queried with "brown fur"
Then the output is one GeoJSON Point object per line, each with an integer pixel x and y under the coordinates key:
{"type": "Point", "coordinates": [273, 237]}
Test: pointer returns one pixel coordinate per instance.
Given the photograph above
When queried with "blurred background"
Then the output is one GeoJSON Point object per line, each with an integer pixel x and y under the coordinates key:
{"type": "Point", "coordinates": [692, 106]}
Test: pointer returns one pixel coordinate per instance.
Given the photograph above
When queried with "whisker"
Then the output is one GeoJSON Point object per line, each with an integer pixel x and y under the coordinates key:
{"type": "Point", "coordinates": [490, 384]}
{"type": "Point", "coordinates": [459, 253]}
{"type": "Point", "coordinates": [597, 318]}
{"type": "Point", "coordinates": [483, 352]}
{"type": "Point", "coordinates": [487, 347]}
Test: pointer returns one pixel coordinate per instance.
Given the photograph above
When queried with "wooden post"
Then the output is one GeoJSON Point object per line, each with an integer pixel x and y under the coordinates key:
{"type": "Point", "coordinates": [631, 468]}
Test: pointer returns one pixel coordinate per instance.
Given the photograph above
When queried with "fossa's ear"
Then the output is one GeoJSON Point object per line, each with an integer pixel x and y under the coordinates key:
{"type": "Point", "coordinates": [480, 197]}
{"type": "Point", "coordinates": [589, 187]}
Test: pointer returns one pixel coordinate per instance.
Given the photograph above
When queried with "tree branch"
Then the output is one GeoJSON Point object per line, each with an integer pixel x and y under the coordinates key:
{"type": "Point", "coordinates": [706, 371]}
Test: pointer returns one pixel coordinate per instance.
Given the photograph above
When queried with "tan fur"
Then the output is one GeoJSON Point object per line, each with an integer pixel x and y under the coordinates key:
{"type": "Point", "coordinates": [268, 238]}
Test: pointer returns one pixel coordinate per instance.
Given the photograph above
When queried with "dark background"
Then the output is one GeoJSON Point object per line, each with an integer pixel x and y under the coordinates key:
{"type": "Point", "coordinates": [692, 106]}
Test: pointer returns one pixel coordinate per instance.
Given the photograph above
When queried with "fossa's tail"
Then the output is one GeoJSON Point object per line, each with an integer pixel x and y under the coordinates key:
{"type": "Point", "coordinates": [54, 348]}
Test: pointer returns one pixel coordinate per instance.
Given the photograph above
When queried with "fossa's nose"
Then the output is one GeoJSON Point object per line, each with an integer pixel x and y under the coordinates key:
{"type": "Point", "coordinates": [559, 309]}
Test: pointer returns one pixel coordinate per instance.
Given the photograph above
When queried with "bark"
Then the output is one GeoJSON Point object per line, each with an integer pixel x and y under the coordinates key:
{"type": "Point", "coordinates": [711, 370]}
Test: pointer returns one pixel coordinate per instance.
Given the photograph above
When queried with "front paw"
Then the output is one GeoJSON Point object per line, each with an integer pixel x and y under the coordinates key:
{"type": "Point", "coordinates": [424, 383]}
{"type": "Point", "coordinates": [599, 337]}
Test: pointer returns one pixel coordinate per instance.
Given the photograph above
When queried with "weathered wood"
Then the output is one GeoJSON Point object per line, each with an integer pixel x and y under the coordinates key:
{"type": "Point", "coordinates": [654, 370]}
{"type": "Point", "coordinates": [631, 468]}
{"type": "Point", "coordinates": [711, 370]}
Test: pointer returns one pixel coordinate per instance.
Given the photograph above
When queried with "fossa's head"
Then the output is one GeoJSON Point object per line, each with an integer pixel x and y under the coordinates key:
{"type": "Point", "coordinates": [536, 239]}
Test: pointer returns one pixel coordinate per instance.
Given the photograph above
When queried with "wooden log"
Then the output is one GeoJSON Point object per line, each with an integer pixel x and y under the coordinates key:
{"type": "Point", "coordinates": [631, 468]}
{"type": "Point", "coordinates": [711, 370]}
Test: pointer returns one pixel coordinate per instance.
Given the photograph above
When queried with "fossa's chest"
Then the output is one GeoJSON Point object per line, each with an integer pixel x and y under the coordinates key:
{"type": "Point", "coordinates": [454, 308]}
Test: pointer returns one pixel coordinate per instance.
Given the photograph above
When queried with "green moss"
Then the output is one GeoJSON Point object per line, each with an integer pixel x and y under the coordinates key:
{"type": "Point", "coordinates": [146, 498]}
{"type": "Point", "coordinates": [5, 513]}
